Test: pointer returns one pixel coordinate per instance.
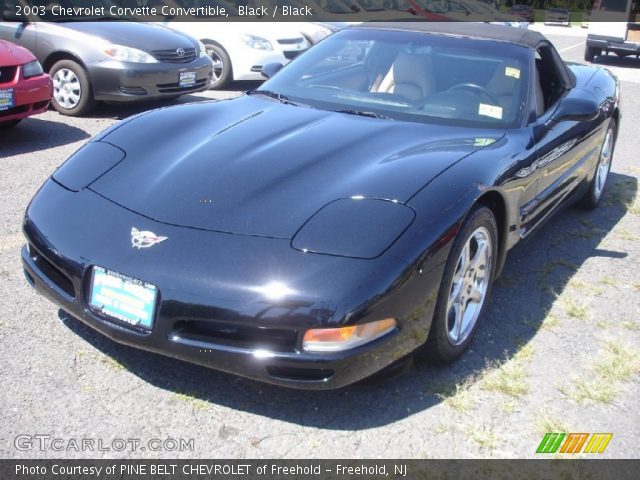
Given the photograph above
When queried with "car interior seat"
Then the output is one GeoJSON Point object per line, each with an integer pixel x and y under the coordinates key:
{"type": "Point", "coordinates": [409, 76]}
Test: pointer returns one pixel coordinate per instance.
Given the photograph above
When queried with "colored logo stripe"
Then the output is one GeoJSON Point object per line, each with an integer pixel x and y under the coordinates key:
{"type": "Point", "coordinates": [574, 443]}
{"type": "Point", "coordinates": [550, 443]}
{"type": "Point", "coordinates": [598, 442]}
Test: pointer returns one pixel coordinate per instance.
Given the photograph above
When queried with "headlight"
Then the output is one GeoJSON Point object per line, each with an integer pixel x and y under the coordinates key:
{"type": "Point", "coordinates": [128, 54]}
{"type": "Point", "coordinates": [344, 338]}
{"type": "Point", "coordinates": [354, 227]}
{"type": "Point", "coordinates": [32, 69]}
{"type": "Point", "coordinates": [257, 42]}
{"type": "Point", "coordinates": [202, 49]}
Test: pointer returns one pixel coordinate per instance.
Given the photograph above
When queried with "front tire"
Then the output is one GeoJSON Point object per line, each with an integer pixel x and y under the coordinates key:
{"type": "Point", "coordinates": [72, 92]}
{"type": "Point", "coordinates": [592, 198]}
{"type": "Point", "coordinates": [222, 72]}
{"type": "Point", "coordinates": [465, 287]}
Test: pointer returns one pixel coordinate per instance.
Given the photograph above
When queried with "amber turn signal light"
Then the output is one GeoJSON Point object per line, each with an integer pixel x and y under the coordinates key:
{"type": "Point", "coordinates": [343, 338]}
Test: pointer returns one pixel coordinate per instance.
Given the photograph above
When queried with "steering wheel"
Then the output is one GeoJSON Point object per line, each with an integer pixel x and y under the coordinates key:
{"type": "Point", "coordinates": [477, 88]}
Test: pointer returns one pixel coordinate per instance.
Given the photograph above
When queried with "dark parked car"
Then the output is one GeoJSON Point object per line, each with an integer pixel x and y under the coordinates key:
{"type": "Point", "coordinates": [525, 12]}
{"type": "Point", "coordinates": [25, 89]}
{"type": "Point", "coordinates": [113, 61]}
{"type": "Point", "coordinates": [557, 16]}
{"type": "Point", "coordinates": [335, 220]}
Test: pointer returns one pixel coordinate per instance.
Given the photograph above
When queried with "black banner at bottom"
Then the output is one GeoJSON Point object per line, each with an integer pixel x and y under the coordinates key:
{"type": "Point", "coordinates": [317, 469]}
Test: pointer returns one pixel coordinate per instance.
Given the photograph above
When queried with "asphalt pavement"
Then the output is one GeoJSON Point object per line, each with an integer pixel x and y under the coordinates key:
{"type": "Point", "coordinates": [559, 349]}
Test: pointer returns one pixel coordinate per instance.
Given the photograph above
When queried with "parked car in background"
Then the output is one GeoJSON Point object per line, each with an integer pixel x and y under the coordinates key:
{"type": "Point", "coordinates": [614, 28]}
{"type": "Point", "coordinates": [465, 11]}
{"type": "Point", "coordinates": [525, 12]}
{"type": "Point", "coordinates": [557, 16]}
{"type": "Point", "coordinates": [240, 49]}
{"type": "Point", "coordinates": [25, 89]}
{"type": "Point", "coordinates": [91, 61]}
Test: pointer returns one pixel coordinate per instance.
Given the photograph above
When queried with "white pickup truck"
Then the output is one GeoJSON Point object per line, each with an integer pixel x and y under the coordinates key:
{"type": "Point", "coordinates": [614, 27]}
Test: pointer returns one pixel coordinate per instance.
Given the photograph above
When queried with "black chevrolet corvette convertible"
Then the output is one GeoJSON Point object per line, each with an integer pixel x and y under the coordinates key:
{"type": "Point", "coordinates": [352, 210]}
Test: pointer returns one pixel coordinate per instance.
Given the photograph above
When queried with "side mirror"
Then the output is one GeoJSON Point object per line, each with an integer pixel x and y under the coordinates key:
{"type": "Point", "coordinates": [580, 107]}
{"type": "Point", "coordinates": [577, 106]}
{"type": "Point", "coordinates": [270, 69]}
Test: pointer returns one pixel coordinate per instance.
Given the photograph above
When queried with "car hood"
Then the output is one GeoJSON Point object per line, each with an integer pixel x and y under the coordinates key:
{"type": "Point", "coordinates": [253, 166]}
{"type": "Point", "coordinates": [143, 36]}
{"type": "Point", "coordinates": [11, 54]}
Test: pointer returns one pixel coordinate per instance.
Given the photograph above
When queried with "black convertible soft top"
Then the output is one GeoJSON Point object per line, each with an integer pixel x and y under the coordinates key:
{"type": "Point", "coordinates": [521, 36]}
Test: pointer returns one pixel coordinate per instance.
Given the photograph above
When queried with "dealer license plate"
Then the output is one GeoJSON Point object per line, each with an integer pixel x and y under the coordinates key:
{"type": "Point", "coordinates": [6, 99]}
{"type": "Point", "coordinates": [123, 298]}
{"type": "Point", "coordinates": [187, 79]}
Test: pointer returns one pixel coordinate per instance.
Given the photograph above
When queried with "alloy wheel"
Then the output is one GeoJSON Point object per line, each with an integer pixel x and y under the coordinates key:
{"type": "Point", "coordinates": [469, 286]}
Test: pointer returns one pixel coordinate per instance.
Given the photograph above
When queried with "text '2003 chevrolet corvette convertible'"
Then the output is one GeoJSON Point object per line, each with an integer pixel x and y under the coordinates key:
{"type": "Point", "coordinates": [354, 209]}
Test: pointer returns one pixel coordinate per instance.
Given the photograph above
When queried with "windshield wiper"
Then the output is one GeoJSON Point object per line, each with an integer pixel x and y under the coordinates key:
{"type": "Point", "coordinates": [365, 114]}
{"type": "Point", "coordinates": [268, 93]}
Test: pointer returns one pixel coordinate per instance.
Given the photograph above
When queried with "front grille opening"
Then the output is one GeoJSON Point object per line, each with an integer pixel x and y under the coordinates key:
{"type": "Point", "coordinates": [133, 90]}
{"type": "Point", "coordinates": [39, 105]}
{"type": "Point", "coordinates": [52, 273]}
{"type": "Point", "coordinates": [239, 336]}
{"type": "Point", "coordinates": [176, 88]}
{"type": "Point", "coordinates": [15, 110]}
{"type": "Point", "coordinates": [7, 74]}
{"type": "Point", "coordinates": [178, 55]}
{"type": "Point", "coordinates": [300, 374]}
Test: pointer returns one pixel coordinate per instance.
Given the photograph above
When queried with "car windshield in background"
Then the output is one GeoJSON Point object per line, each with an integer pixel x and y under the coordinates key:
{"type": "Point", "coordinates": [410, 76]}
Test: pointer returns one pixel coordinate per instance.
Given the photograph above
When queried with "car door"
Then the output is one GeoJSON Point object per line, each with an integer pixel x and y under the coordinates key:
{"type": "Point", "coordinates": [563, 147]}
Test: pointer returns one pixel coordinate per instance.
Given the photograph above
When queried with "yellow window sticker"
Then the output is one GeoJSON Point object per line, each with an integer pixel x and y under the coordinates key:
{"type": "Point", "coordinates": [490, 111]}
{"type": "Point", "coordinates": [512, 72]}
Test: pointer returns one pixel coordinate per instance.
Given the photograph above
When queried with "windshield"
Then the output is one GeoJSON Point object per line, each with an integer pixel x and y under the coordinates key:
{"type": "Point", "coordinates": [410, 76]}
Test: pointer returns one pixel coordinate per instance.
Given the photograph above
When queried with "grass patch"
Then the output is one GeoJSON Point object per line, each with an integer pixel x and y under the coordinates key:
{"type": "Point", "coordinates": [510, 378]}
{"type": "Point", "coordinates": [550, 320]}
{"type": "Point", "coordinates": [627, 325]}
{"type": "Point", "coordinates": [509, 406]}
{"type": "Point", "coordinates": [525, 352]}
{"type": "Point", "coordinates": [575, 309]}
{"type": "Point", "coordinates": [442, 428]}
{"type": "Point", "coordinates": [482, 436]}
{"type": "Point", "coordinates": [106, 360]}
{"type": "Point", "coordinates": [626, 235]}
{"type": "Point", "coordinates": [611, 282]}
{"type": "Point", "coordinates": [585, 287]}
{"type": "Point", "coordinates": [636, 286]}
{"type": "Point", "coordinates": [460, 398]}
{"type": "Point", "coordinates": [192, 400]}
{"type": "Point", "coordinates": [550, 423]}
{"type": "Point", "coordinates": [585, 389]}
{"type": "Point", "coordinates": [617, 362]}
{"type": "Point", "coordinates": [551, 265]}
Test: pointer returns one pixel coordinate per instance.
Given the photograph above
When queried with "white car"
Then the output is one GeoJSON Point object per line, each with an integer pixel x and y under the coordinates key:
{"type": "Point", "coordinates": [240, 49]}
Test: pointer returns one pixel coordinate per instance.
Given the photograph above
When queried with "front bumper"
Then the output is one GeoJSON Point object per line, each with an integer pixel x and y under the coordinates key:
{"type": "Point", "coordinates": [31, 96]}
{"type": "Point", "coordinates": [118, 81]}
{"type": "Point", "coordinates": [205, 313]}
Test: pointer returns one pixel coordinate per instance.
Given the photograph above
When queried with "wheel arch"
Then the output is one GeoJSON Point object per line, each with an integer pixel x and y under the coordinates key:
{"type": "Point", "coordinates": [211, 41]}
{"type": "Point", "coordinates": [495, 202]}
{"type": "Point", "coordinates": [55, 57]}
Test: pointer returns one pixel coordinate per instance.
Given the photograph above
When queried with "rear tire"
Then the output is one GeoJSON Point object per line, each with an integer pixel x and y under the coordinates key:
{"type": "Point", "coordinates": [592, 198]}
{"type": "Point", "coordinates": [222, 72]}
{"type": "Point", "coordinates": [590, 53]}
{"type": "Point", "coordinates": [465, 287]}
{"type": "Point", "coordinates": [72, 92]}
